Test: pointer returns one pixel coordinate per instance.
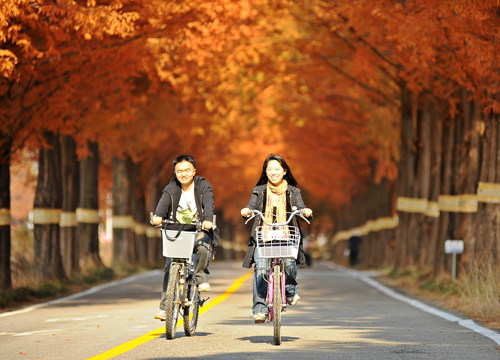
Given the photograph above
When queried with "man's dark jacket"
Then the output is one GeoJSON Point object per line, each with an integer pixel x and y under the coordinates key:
{"type": "Point", "coordinates": [204, 198]}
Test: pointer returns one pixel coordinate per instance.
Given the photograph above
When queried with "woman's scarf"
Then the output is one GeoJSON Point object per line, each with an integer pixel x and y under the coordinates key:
{"type": "Point", "coordinates": [276, 197]}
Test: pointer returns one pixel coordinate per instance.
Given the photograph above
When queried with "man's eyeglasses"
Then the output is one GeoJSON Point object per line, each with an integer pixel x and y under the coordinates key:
{"type": "Point", "coordinates": [186, 171]}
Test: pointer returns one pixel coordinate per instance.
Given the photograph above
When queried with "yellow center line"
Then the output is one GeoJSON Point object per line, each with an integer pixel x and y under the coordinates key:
{"type": "Point", "coordinates": [120, 349]}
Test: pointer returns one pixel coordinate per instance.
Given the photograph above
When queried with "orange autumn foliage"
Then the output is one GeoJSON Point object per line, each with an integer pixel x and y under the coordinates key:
{"type": "Point", "coordinates": [232, 81]}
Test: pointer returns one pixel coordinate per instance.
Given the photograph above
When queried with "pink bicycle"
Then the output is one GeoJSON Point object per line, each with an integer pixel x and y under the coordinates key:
{"type": "Point", "coordinates": [277, 241]}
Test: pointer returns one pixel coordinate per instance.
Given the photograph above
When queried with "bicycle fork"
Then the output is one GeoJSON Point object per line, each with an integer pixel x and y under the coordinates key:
{"type": "Point", "coordinates": [183, 299]}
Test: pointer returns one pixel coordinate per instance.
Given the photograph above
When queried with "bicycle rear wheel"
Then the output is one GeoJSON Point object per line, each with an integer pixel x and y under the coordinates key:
{"type": "Point", "coordinates": [277, 304]}
{"type": "Point", "coordinates": [172, 311]}
{"type": "Point", "coordinates": [191, 311]}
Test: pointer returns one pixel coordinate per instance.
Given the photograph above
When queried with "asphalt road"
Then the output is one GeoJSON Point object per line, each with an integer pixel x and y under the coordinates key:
{"type": "Point", "coordinates": [342, 315]}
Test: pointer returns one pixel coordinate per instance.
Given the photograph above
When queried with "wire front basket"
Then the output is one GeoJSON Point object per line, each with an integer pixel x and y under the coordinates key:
{"type": "Point", "coordinates": [278, 241]}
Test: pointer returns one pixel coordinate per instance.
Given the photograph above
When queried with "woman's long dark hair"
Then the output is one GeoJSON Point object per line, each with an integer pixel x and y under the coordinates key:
{"type": "Point", "coordinates": [288, 176]}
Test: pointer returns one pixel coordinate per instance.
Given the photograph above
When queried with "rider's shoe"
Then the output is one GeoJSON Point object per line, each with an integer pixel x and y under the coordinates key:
{"type": "Point", "coordinates": [204, 287]}
{"type": "Point", "coordinates": [162, 315]}
{"type": "Point", "coordinates": [293, 300]}
{"type": "Point", "coordinates": [259, 318]}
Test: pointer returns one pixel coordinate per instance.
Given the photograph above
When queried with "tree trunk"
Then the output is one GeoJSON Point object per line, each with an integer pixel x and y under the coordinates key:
{"type": "Point", "coordinates": [487, 247]}
{"type": "Point", "coordinates": [5, 245]}
{"type": "Point", "coordinates": [87, 212]}
{"type": "Point", "coordinates": [122, 215]}
{"type": "Point", "coordinates": [227, 235]}
{"type": "Point", "coordinates": [469, 178]}
{"type": "Point", "coordinates": [133, 248]}
{"type": "Point", "coordinates": [47, 212]}
{"type": "Point", "coordinates": [376, 248]}
{"type": "Point", "coordinates": [153, 234]}
{"type": "Point", "coordinates": [70, 178]}
{"type": "Point", "coordinates": [417, 237]}
{"type": "Point", "coordinates": [444, 218]}
{"type": "Point", "coordinates": [496, 207]}
{"type": "Point", "coordinates": [140, 238]}
{"type": "Point", "coordinates": [432, 220]}
{"type": "Point", "coordinates": [406, 177]}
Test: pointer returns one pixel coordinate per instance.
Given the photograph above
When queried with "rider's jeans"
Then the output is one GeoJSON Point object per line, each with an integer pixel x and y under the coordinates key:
{"type": "Point", "coordinates": [202, 247]}
{"type": "Point", "coordinates": [260, 281]}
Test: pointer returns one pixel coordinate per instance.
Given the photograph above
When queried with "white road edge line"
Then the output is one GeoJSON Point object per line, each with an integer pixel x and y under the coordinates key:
{"type": "Point", "coordinates": [467, 323]}
{"type": "Point", "coordinates": [81, 294]}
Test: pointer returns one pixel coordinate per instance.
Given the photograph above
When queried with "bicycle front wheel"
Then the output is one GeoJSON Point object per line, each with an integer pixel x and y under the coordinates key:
{"type": "Point", "coordinates": [191, 311]}
{"type": "Point", "coordinates": [173, 300]}
{"type": "Point", "coordinates": [277, 304]}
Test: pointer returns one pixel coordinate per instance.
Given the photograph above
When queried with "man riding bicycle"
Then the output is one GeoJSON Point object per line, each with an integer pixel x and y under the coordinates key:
{"type": "Point", "coordinates": [188, 199]}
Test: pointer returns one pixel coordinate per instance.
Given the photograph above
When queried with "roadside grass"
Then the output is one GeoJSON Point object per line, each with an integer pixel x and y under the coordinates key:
{"type": "Point", "coordinates": [475, 293]}
{"type": "Point", "coordinates": [25, 290]}
{"type": "Point", "coordinates": [480, 293]}
{"type": "Point", "coordinates": [33, 293]}
{"type": "Point", "coordinates": [27, 294]}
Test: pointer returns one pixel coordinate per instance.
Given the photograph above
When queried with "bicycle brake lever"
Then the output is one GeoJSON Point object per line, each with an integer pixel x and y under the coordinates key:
{"type": "Point", "coordinates": [250, 218]}
{"type": "Point", "coordinates": [303, 217]}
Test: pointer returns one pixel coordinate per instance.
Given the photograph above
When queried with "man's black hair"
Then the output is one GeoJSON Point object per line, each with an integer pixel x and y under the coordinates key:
{"type": "Point", "coordinates": [184, 157]}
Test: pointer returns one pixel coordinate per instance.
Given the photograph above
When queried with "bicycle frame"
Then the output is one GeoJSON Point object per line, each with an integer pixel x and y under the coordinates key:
{"type": "Point", "coordinates": [270, 286]}
{"type": "Point", "coordinates": [183, 295]}
{"type": "Point", "coordinates": [281, 242]}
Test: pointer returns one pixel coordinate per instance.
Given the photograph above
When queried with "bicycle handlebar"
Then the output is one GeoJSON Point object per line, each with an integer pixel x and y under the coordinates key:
{"type": "Point", "coordinates": [164, 222]}
{"type": "Point", "coordinates": [293, 213]}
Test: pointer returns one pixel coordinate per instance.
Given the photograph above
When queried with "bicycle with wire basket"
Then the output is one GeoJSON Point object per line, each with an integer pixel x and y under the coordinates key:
{"type": "Point", "coordinates": [277, 241]}
{"type": "Point", "coordinates": [183, 295]}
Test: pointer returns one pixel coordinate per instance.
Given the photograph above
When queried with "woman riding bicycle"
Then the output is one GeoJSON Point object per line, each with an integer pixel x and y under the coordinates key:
{"type": "Point", "coordinates": [274, 195]}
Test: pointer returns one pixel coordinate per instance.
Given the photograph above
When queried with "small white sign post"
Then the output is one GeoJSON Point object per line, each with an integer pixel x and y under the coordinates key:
{"type": "Point", "coordinates": [454, 247]}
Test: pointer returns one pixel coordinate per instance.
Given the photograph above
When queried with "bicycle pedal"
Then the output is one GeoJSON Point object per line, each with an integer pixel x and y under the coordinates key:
{"type": "Point", "coordinates": [202, 302]}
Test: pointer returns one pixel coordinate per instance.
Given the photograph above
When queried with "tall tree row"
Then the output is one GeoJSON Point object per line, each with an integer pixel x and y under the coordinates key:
{"type": "Point", "coordinates": [43, 48]}
{"type": "Point", "coordinates": [387, 108]}
{"type": "Point", "coordinates": [445, 107]}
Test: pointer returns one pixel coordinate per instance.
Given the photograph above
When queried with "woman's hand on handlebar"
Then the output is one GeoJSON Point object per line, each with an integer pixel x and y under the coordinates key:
{"type": "Point", "coordinates": [307, 212]}
{"type": "Point", "coordinates": [246, 212]}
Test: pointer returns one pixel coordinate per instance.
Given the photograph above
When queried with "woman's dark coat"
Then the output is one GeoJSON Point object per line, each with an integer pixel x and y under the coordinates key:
{"type": "Point", "coordinates": [257, 202]}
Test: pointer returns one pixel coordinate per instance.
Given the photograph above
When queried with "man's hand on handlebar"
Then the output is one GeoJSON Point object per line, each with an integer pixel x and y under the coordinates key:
{"type": "Point", "coordinates": [156, 220]}
{"type": "Point", "coordinates": [206, 225]}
